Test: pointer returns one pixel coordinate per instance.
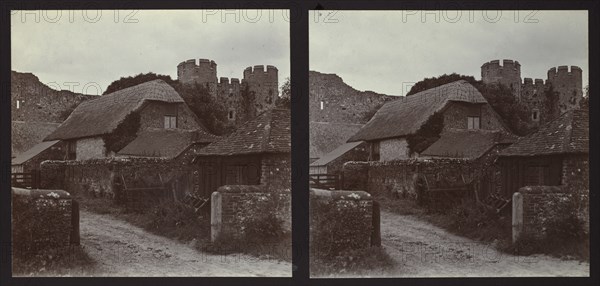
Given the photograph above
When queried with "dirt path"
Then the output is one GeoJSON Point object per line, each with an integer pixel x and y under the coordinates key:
{"type": "Point", "coordinates": [424, 250]}
{"type": "Point", "coordinates": [121, 249]}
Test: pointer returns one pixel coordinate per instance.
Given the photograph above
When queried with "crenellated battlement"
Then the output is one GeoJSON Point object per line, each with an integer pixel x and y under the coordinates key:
{"type": "Point", "coordinates": [538, 82]}
{"type": "Point", "coordinates": [203, 71]}
{"type": "Point", "coordinates": [256, 92]}
{"type": "Point", "coordinates": [563, 71]}
{"type": "Point", "coordinates": [225, 81]}
{"type": "Point", "coordinates": [506, 64]}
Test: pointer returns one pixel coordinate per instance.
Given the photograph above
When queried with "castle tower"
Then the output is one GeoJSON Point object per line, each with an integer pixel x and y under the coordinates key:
{"type": "Point", "coordinates": [203, 72]}
{"type": "Point", "coordinates": [508, 74]}
{"type": "Point", "coordinates": [568, 85]}
{"type": "Point", "coordinates": [262, 85]}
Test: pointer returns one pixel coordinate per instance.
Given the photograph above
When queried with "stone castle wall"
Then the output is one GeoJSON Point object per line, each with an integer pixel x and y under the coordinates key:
{"type": "Point", "coordinates": [256, 92]}
{"type": "Point", "coordinates": [32, 100]}
{"type": "Point", "coordinates": [543, 106]}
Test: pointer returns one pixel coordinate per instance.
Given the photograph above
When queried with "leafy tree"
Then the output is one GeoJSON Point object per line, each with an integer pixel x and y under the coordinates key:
{"type": "Point", "coordinates": [432, 82]}
{"type": "Point", "coordinates": [211, 112]}
{"type": "Point", "coordinates": [125, 82]}
{"type": "Point", "coordinates": [285, 98]}
{"type": "Point", "coordinates": [585, 101]}
{"type": "Point", "coordinates": [514, 114]}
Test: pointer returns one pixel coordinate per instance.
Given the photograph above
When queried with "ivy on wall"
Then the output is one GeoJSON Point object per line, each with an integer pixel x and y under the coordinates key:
{"type": "Point", "coordinates": [123, 134]}
{"type": "Point", "coordinates": [427, 134]}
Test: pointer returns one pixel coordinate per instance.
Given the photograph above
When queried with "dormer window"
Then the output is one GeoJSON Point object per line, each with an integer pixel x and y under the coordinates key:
{"type": "Point", "coordinates": [473, 122]}
{"type": "Point", "coordinates": [170, 121]}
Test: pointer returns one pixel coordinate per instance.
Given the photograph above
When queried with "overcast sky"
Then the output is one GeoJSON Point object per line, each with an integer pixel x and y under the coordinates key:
{"type": "Point", "coordinates": [386, 51]}
{"type": "Point", "coordinates": [102, 46]}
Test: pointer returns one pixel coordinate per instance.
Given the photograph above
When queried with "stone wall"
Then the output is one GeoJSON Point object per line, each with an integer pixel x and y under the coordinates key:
{"type": "Point", "coordinates": [276, 171]}
{"type": "Point", "coordinates": [104, 177]}
{"type": "Point", "coordinates": [576, 173]}
{"type": "Point", "coordinates": [339, 221]}
{"type": "Point", "coordinates": [90, 148]}
{"type": "Point", "coordinates": [398, 177]}
{"type": "Point", "coordinates": [542, 206]}
{"type": "Point", "coordinates": [41, 219]}
{"type": "Point", "coordinates": [393, 149]}
{"type": "Point", "coordinates": [247, 211]}
{"type": "Point", "coordinates": [42, 103]}
{"type": "Point", "coordinates": [341, 102]}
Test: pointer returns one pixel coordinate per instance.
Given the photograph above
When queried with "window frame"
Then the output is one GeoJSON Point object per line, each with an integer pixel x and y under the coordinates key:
{"type": "Point", "coordinates": [471, 122]}
{"type": "Point", "coordinates": [169, 121]}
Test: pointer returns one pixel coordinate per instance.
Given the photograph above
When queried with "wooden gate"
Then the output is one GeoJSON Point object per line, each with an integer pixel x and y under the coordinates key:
{"type": "Point", "coordinates": [325, 181]}
{"type": "Point", "coordinates": [25, 180]}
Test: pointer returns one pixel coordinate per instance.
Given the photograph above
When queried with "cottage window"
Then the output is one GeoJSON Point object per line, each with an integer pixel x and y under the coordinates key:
{"type": "Point", "coordinates": [375, 151]}
{"type": "Point", "coordinates": [473, 122]}
{"type": "Point", "coordinates": [170, 121]}
{"type": "Point", "coordinates": [72, 150]}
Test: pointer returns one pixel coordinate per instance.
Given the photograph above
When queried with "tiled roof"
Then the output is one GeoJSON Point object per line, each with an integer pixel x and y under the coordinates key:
{"type": "Point", "coordinates": [567, 134]}
{"type": "Point", "coordinates": [468, 144]}
{"type": "Point", "coordinates": [405, 116]}
{"type": "Point", "coordinates": [336, 153]}
{"type": "Point", "coordinates": [166, 143]}
{"type": "Point", "coordinates": [269, 132]}
{"type": "Point", "coordinates": [32, 152]}
{"type": "Point", "coordinates": [102, 115]}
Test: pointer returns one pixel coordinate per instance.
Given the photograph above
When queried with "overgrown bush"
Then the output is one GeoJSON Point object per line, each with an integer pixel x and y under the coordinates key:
{"type": "Point", "coordinates": [260, 220]}
{"type": "Point", "coordinates": [334, 225]}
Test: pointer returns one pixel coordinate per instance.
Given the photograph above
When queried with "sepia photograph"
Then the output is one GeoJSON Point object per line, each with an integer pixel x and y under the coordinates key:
{"type": "Point", "coordinates": [449, 143]}
{"type": "Point", "coordinates": [150, 143]}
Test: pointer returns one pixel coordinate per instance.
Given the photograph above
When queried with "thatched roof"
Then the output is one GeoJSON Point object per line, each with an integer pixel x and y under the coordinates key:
{"type": "Point", "coordinates": [165, 143]}
{"type": "Point", "coordinates": [468, 144]}
{"type": "Point", "coordinates": [32, 152]}
{"type": "Point", "coordinates": [269, 132]}
{"type": "Point", "coordinates": [102, 115]}
{"type": "Point", "coordinates": [405, 116]}
{"type": "Point", "coordinates": [567, 134]}
{"type": "Point", "coordinates": [336, 153]}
